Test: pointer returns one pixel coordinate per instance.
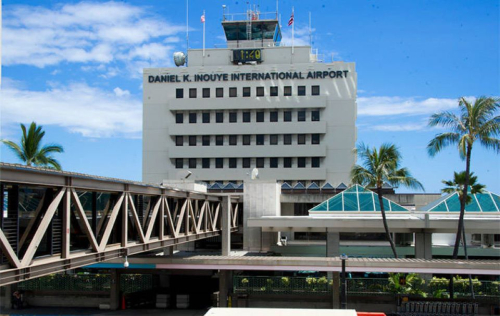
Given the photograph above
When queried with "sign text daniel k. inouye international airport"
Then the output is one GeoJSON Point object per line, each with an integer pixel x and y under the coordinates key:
{"type": "Point", "coordinates": [250, 76]}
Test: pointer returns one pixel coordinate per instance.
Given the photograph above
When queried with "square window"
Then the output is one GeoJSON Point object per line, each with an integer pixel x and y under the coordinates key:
{"type": "Point", "coordinates": [219, 92]}
{"type": "Point", "coordinates": [233, 140]}
{"type": "Point", "coordinates": [315, 162]}
{"type": "Point", "coordinates": [287, 139]}
{"type": "Point", "coordinates": [246, 117]}
{"type": "Point", "coordinates": [315, 116]}
{"type": "Point", "coordinates": [179, 93]}
{"type": "Point", "coordinates": [179, 163]}
{"type": "Point", "coordinates": [246, 92]}
{"type": "Point", "coordinates": [179, 140]}
{"type": "Point", "coordinates": [206, 92]}
{"type": "Point", "coordinates": [246, 139]}
{"type": "Point", "coordinates": [233, 117]}
{"type": "Point", "coordinates": [274, 91]}
{"type": "Point", "coordinates": [192, 93]}
{"type": "Point", "coordinates": [273, 116]}
{"type": "Point", "coordinates": [205, 163]}
{"type": "Point", "coordinates": [192, 140]}
{"type": "Point", "coordinates": [288, 91]}
{"type": "Point", "coordinates": [260, 116]}
{"type": "Point", "coordinates": [260, 162]}
{"type": "Point", "coordinates": [219, 163]}
{"type": "Point", "coordinates": [260, 91]}
{"type": "Point", "coordinates": [232, 162]}
{"type": "Point", "coordinates": [233, 92]}
{"type": "Point", "coordinates": [205, 140]}
{"type": "Point", "coordinates": [315, 139]}
{"type": "Point", "coordinates": [287, 116]}
{"type": "Point", "coordinates": [287, 162]}
{"type": "Point", "coordinates": [301, 116]}
{"type": "Point", "coordinates": [273, 139]}
{"type": "Point", "coordinates": [273, 162]}
{"type": "Point", "coordinates": [301, 139]}
{"type": "Point", "coordinates": [301, 90]}
{"type": "Point", "coordinates": [192, 163]}
{"type": "Point", "coordinates": [246, 162]}
{"type": "Point", "coordinates": [192, 118]}
{"type": "Point", "coordinates": [179, 118]}
{"type": "Point", "coordinates": [206, 117]}
{"type": "Point", "coordinates": [219, 117]}
{"type": "Point", "coordinates": [219, 140]}
{"type": "Point", "coordinates": [315, 90]}
{"type": "Point", "coordinates": [301, 162]}
{"type": "Point", "coordinates": [260, 140]}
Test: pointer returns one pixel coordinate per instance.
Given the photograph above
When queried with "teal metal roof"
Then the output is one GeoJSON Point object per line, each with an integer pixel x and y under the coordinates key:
{"type": "Point", "coordinates": [357, 199]}
{"type": "Point", "coordinates": [481, 203]}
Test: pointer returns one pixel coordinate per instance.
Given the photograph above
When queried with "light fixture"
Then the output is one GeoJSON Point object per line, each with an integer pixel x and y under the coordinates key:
{"type": "Point", "coordinates": [126, 264]}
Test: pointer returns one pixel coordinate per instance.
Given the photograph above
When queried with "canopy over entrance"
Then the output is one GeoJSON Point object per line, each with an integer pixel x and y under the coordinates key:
{"type": "Point", "coordinates": [481, 203]}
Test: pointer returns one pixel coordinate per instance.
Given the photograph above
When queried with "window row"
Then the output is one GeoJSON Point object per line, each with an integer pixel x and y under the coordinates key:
{"type": "Point", "coordinates": [250, 116]}
{"type": "Point", "coordinates": [246, 140]}
{"type": "Point", "coordinates": [246, 92]}
{"type": "Point", "coordinates": [286, 162]}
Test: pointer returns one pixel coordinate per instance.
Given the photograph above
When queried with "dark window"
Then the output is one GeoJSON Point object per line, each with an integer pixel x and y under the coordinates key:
{"type": "Point", "coordinates": [192, 93]}
{"type": "Point", "coordinates": [287, 116]}
{"type": "Point", "coordinates": [205, 163]}
{"type": "Point", "coordinates": [288, 91]}
{"type": "Point", "coordinates": [219, 92]}
{"type": "Point", "coordinates": [260, 140]}
{"type": "Point", "coordinates": [315, 162]}
{"type": "Point", "coordinates": [246, 117]}
{"type": "Point", "coordinates": [315, 139]}
{"type": "Point", "coordinates": [192, 163]}
{"type": "Point", "coordinates": [273, 116]}
{"type": "Point", "coordinates": [179, 93]}
{"type": "Point", "coordinates": [233, 117]}
{"type": "Point", "coordinates": [206, 92]}
{"type": "Point", "coordinates": [179, 140]}
{"type": "Point", "coordinates": [260, 116]}
{"type": "Point", "coordinates": [232, 162]}
{"type": "Point", "coordinates": [179, 163]}
{"type": "Point", "coordinates": [315, 116]}
{"type": "Point", "coordinates": [260, 162]}
{"type": "Point", "coordinates": [274, 91]}
{"type": "Point", "coordinates": [233, 140]}
{"type": "Point", "coordinates": [206, 117]}
{"type": "Point", "coordinates": [273, 139]}
{"type": "Point", "coordinates": [287, 139]}
{"type": "Point", "coordinates": [273, 162]}
{"type": "Point", "coordinates": [205, 140]}
{"type": "Point", "coordinates": [219, 163]}
{"type": "Point", "coordinates": [301, 116]}
{"type": "Point", "coordinates": [233, 92]}
{"type": "Point", "coordinates": [192, 140]}
{"type": "Point", "coordinates": [246, 139]}
{"type": "Point", "coordinates": [315, 90]}
{"type": "Point", "coordinates": [246, 162]}
{"type": "Point", "coordinates": [219, 140]}
{"type": "Point", "coordinates": [219, 117]}
{"type": "Point", "coordinates": [260, 91]}
{"type": "Point", "coordinates": [301, 162]}
{"type": "Point", "coordinates": [246, 91]}
{"type": "Point", "coordinates": [301, 139]}
{"type": "Point", "coordinates": [192, 117]}
{"type": "Point", "coordinates": [287, 162]}
{"type": "Point", "coordinates": [301, 90]}
{"type": "Point", "coordinates": [179, 118]}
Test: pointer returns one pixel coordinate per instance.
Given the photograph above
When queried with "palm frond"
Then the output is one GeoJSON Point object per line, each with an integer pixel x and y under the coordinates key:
{"type": "Point", "coordinates": [441, 141]}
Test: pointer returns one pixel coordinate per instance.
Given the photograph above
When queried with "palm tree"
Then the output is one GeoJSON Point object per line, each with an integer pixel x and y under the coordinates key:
{"type": "Point", "coordinates": [477, 122]}
{"type": "Point", "coordinates": [30, 149]}
{"type": "Point", "coordinates": [382, 166]}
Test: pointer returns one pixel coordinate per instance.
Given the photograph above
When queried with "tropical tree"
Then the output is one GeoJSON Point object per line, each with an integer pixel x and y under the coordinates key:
{"type": "Point", "coordinates": [381, 166]}
{"type": "Point", "coordinates": [31, 151]}
{"type": "Point", "coordinates": [478, 121]}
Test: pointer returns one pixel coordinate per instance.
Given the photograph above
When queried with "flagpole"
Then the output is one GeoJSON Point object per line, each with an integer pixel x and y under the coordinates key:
{"type": "Point", "coordinates": [204, 33]}
{"type": "Point", "coordinates": [293, 27]}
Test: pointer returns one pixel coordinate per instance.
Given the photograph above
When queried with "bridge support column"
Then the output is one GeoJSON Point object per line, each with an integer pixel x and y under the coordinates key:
{"type": "Point", "coordinates": [114, 295]}
{"type": "Point", "coordinates": [226, 227]}
{"type": "Point", "coordinates": [168, 251]}
{"type": "Point", "coordinates": [333, 250]}
{"type": "Point", "coordinates": [225, 284]}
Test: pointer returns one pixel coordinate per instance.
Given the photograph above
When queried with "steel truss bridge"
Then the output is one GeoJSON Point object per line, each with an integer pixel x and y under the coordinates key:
{"type": "Point", "coordinates": [53, 221]}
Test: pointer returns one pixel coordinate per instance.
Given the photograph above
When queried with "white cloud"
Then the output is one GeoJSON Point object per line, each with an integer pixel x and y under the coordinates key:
{"type": "Point", "coordinates": [300, 38]}
{"type": "Point", "coordinates": [402, 127]}
{"type": "Point", "coordinates": [391, 106]}
{"type": "Point", "coordinates": [90, 111]}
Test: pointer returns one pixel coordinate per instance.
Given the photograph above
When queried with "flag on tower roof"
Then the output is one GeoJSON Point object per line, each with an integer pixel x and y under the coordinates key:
{"type": "Point", "coordinates": [203, 18]}
{"type": "Point", "coordinates": [290, 22]}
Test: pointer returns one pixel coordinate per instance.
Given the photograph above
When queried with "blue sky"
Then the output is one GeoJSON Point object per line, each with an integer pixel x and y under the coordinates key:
{"type": "Point", "coordinates": [75, 68]}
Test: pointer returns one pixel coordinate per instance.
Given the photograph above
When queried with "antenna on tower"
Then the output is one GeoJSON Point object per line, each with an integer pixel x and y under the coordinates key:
{"type": "Point", "coordinates": [187, 29]}
{"type": "Point", "coordinates": [310, 33]}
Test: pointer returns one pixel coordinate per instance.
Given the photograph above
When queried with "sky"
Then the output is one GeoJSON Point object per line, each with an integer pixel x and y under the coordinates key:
{"type": "Point", "coordinates": [75, 67]}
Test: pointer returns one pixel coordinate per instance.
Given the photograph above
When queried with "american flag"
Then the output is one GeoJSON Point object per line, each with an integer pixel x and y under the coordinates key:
{"type": "Point", "coordinates": [290, 22]}
{"type": "Point", "coordinates": [203, 18]}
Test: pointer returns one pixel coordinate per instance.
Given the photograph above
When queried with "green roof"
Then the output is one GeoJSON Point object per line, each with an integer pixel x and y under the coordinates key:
{"type": "Point", "coordinates": [481, 203]}
{"type": "Point", "coordinates": [357, 199]}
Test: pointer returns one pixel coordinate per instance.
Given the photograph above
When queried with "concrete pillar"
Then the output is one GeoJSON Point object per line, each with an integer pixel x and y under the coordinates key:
{"type": "Point", "coordinates": [335, 290]}
{"type": "Point", "coordinates": [114, 295]}
{"type": "Point", "coordinates": [287, 209]}
{"type": "Point", "coordinates": [226, 227]}
{"type": "Point", "coordinates": [423, 245]}
{"type": "Point", "coordinates": [168, 251]}
{"type": "Point", "coordinates": [332, 244]}
{"type": "Point", "coordinates": [6, 301]}
{"type": "Point", "coordinates": [225, 284]}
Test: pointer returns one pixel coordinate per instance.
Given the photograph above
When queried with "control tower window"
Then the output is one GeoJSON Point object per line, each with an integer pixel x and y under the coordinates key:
{"type": "Point", "coordinates": [315, 162]}
{"type": "Point", "coordinates": [246, 92]}
{"type": "Point", "coordinates": [205, 163]}
{"type": "Point", "coordinates": [233, 92]}
{"type": "Point", "coordinates": [260, 91]}
{"type": "Point", "coordinates": [301, 117]}
{"type": "Point", "coordinates": [246, 117]}
{"type": "Point", "coordinates": [219, 117]}
{"type": "Point", "coordinates": [301, 139]}
{"type": "Point", "coordinates": [219, 92]}
{"type": "Point", "coordinates": [179, 118]}
{"type": "Point", "coordinates": [206, 92]}
{"type": "Point", "coordinates": [315, 90]}
{"type": "Point", "coordinates": [273, 116]}
{"type": "Point", "coordinates": [219, 163]}
{"type": "Point", "coordinates": [260, 140]}
{"type": "Point", "coordinates": [179, 93]}
{"type": "Point", "coordinates": [206, 117]}
{"type": "Point", "coordinates": [315, 139]}
{"type": "Point", "coordinates": [179, 140]}
{"type": "Point", "coordinates": [246, 139]}
{"type": "Point", "coordinates": [233, 117]}
{"type": "Point", "coordinates": [287, 91]}
{"type": "Point", "coordinates": [192, 163]}
{"type": "Point", "coordinates": [287, 139]}
{"type": "Point", "coordinates": [192, 117]}
{"type": "Point", "coordinates": [301, 90]}
{"type": "Point", "coordinates": [301, 162]}
{"type": "Point", "coordinates": [232, 162]}
{"type": "Point", "coordinates": [273, 162]}
{"type": "Point", "coordinates": [246, 162]}
{"type": "Point", "coordinates": [179, 163]}
{"type": "Point", "coordinates": [274, 91]}
{"type": "Point", "coordinates": [287, 162]}
{"type": "Point", "coordinates": [287, 116]}
{"type": "Point", "coordinates": [260, 162]}
{"type": "Point", "coordinates": [315, 116]}
{"type": "Point", "coordinates": [260, 116]}
{"type": "Point", "coordinates": [192, 93]}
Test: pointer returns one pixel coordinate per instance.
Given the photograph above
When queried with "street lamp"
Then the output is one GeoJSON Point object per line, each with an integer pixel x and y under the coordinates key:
{"type": "Point", "coordinates": [343, 285]}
